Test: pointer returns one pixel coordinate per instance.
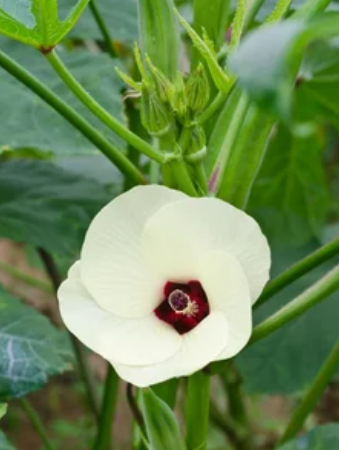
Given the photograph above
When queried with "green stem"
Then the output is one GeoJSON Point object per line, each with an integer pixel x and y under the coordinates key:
{"type": "Point", "coordinates": [299, 269]}
{"type": "Point", "coordinates": [312, 396]}
{"type": "Point", "coordinates": [167, 391]}
{"type": "Point", "coordinates": [232, 382]}
{"type": "Point", "coordinates": [36, 423]}
{"type": "Point", "coordinates": [106, 147]}
{"type": "Point", "coordinates": [279, 11]}
{"type": "Point", "coordinates": [197, 414]}
{"type": "Point", "coordinates": [252, 11]}
{"type": "Point", "coordinates": [85, 374]}
{"type": "Point", "coordinates": [229, 141]}
{"type": "Point", "coordinates": [199, 170]}
{"type": "Point", "coordinates": [219, 100]}
{"type": "Point", "coordinates": [312, 296]}
{"type": "Point", "coordinates": [246, 158]}
{"type": "Point", "coordinates": [103, 28]}
{"type": "Point", "coordinates": [104, 436]}
{"type": "Point", "coordinates": [25, 278]}
{"type": "Point", "coordinates": [183, 178]}
{"type": "Point", "coordinates": [310, 8]}
{"type": "Point", "coordinates": [103, 115]}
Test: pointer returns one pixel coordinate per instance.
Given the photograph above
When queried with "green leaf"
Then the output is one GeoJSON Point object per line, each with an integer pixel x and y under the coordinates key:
{"type": "Point", "coordinates": [4, 443]}
{"type": "Point", "coordinates": [46, 206]}
{"type": "Point", "coordinates": [120, 17]}
{"type": "Point", "coordinates": [268, 59]}
{"type": "Point", "coordinates": [34, 124]}
{"type": "Point", "coordinates": [320, 438]}
{"type": "Point", "coordinates": [44, 30]}
{"type": "Point", "coordinates": [32, 350]}
{"type": "Point", "coordinates": [287, 361]}
{"type": "Point", "coordinates": [318, 83]}
{"type": "Point", "coordinates": [163, 430]}
{"type": "Point", "coordinates": [290, 196]}
{"type": "Point", "coordinates": [3, 409]}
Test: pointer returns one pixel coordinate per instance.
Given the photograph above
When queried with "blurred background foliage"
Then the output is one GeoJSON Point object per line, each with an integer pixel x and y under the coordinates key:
{"type": "Point", "coordinates": [52, 183]}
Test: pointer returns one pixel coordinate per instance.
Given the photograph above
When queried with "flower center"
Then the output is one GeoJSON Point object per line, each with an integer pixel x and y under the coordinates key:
{"type": "Point", "coordinates": [184, 306]}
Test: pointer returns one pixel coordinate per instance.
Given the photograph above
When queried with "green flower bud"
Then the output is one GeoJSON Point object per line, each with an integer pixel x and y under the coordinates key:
{"type": "Point", "coordinates": [179, 101]}
{"type": "Point", "coordinates": [155, 116]}
{"type": "Point", "coordinates": [197, 90]}
{"type": "Point", "coordinates": [164, 87]}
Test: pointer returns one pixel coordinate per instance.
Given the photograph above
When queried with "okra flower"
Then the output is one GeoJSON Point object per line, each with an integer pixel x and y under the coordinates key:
{"type": "Point", "coordinates": [165, 283]}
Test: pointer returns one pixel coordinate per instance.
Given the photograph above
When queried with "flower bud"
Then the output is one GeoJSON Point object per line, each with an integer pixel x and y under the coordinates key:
{"type": "Point", "coordinates": [197, 90]}
{"type": "Point", "coordinates": [155, 116]}
{"type": "Point", "coordinates": [179, 101]}
{"type": "Point", "coordinates": [164, 87]}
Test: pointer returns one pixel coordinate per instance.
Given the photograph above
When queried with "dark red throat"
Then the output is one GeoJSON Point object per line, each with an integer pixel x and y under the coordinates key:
{"type": "Point", "coordinates": [184, 305]}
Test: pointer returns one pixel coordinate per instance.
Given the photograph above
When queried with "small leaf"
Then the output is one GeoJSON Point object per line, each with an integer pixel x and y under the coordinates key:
{"type": "Point", "coordinates": [161, 425]}
{"type": "Point", "coordinates": [32, 350]}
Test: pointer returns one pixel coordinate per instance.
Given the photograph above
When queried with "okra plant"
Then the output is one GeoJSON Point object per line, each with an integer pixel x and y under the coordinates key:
{"type": "Point", "coordinates": [169, 172]}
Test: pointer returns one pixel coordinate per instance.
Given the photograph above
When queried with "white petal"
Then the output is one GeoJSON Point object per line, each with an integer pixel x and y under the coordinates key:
{"type": "Point", "coordinates": [129, 341]}
{"type": "Point", "coordinates": [227, 291]}
{"type": "Point", "coordinates": [200, 347]}
{"type": "Point", "coordinates": [180, 233]}
{"type": "Point", "coordinates": [112, 266]}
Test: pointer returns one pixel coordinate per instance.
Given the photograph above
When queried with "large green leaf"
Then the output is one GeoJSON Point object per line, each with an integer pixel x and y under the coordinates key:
{"type": "Point", "coordinates": [31, 349]}
{"type": "Point", "coordinates": [120, 17]}
{"type": "Point", "coordinates": [320, 438]}
{"type": "Point", "coordinates": [46, 206]}
{"type": "Point", "coordinates": [288, 360]}
{"type": "Point", "coordinates": [268, 59]}
{"type": "Point", "coordinates": [27, 121]}
{"type": "Point", "coordinates": [290, 196]}
{"type": "Point", "coordinates": [36, 22]}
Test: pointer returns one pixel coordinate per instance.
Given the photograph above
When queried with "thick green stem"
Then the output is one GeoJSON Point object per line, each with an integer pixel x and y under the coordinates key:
{"type": "Point", "coordinates": [312, 296]}
{"type": "Point", "coordinates": [25, 278]}
{"type": "Point", "coordinates": [197, 414]}
{"type": "Point", "coordinates": [100, 112]}
{"type": "Point", "coordinates": [105, 146]}
{"type": "Point", "coordinates": [298, 270]}
{"type": "Point", "coordinates": [312, 396]}
{"type": "Point", "coordinates": [36, 423]}
{"type": "Point", "coordinates": [229, 142]}
{"type": "Point", "coordinates": [104, 436]}
{"type": "Point", "coordinates": [84, 372]}
{"type": "Point", "coordinates": [102, 27]}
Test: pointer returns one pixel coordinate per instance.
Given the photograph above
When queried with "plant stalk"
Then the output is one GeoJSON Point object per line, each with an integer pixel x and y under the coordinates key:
{"type": "Point", "coordinates": [312, 296]}
{"type": "Point", "coordinates": [299, 269]}
{"type": "Point", "coordinates": [103, 115]}
{"type": "Point", "coordinates": [104, 435]}
{"type": "Point", "coordinates": [36, 422]}
{"type": "Point", "coordinates": [103, 28]}
{"type": "Point", "coordinates": [312, 396]}
{"type": "Point", "coordinates": [197, 414]}
{"type": "Point", "coordinates": [25, 278]}
{"type": "Point", "coordinates": [105, 146]}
